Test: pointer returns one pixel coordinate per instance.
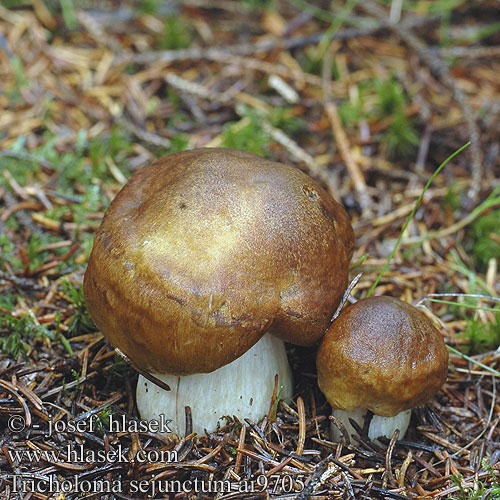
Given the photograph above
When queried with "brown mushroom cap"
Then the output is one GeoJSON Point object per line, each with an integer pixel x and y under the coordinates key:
{"type": "Point", "coordinates": [202, 252]}
{"type": "Point", "coordinates": [382, 354]}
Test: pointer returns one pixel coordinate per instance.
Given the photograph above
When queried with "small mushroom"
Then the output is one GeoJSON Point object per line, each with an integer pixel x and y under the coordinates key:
{"type": "Point", "coordinates": [202, 253]}
{"type": "Point", "coordinates": [382, 355]}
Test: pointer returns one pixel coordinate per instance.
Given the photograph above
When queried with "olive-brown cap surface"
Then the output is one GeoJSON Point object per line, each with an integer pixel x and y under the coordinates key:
{"type": "Point", "coordinates": [202, 252]}
{"type": "Point", "coordinates": [382, 354]}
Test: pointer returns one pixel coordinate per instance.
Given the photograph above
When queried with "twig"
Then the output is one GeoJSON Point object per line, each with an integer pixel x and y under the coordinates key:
{"type": "Point", "coordinates": [15, 392]}
{"type": "Point", "coordinates": [345, 298]}
{"type": "Point", "coordinates": [144, 135]}
{"type": "Point", "coordinates": [388, 477]}
{"type": "Point", "coordinates": [144, 373]}
{"type": "Point", "coordinates": [302, 426]}
{"type": "Point", "coordinates": [315, 479]}
{"type": "Point", "coordinates": [241, 444]}
{"type": "Point", "coordinates": [241, 49]}
{"type": "Point", "coordinates": [341, 138]}
{"type": "Point", "coordinates": [267, 46]}
{"type": "Point", "coordinates": [18, 155]}
{"type": "Point", "coordinates": [468, 52]}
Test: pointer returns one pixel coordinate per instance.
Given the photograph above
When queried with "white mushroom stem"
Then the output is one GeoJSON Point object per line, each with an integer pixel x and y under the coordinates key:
{"type": "Point", "coordinates": [243, 388]}
{"type": "Point", "coordinates": [379, 426]}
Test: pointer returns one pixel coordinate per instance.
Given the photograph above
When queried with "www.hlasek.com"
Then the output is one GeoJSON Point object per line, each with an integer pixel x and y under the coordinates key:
{"type": "Point", "coordinates": [32, 483]}
{"type": "Point", "coordinates": [80, 454]}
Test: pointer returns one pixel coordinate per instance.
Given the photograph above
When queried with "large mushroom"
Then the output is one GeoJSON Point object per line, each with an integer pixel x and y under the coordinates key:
{"type": "Point", "coordinates": [202, 253]}
{"type": "Point", "coordinates": [383, 355]}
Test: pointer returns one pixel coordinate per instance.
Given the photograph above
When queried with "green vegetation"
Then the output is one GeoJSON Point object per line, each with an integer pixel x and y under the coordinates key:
{"type": "Point", "coordinates": [71, 387]}
{"type": "Point", "coordinates": [68, 13]}
{"type": "Point", "coordinates": [149, 6]}
{"type": "Point", "coordinates": [485, 234]}
{"type": "Point", "coordinates": [249, 134]}
{"type": "Point", "coordinates": [430, 6]}
{"type": "Point", "coordinates": [7, 254]}
{"type": "Point", "coordinates": [284, 119]}
{"type": "Point", "coordinates": [178, 33]}
{"type": "Point", "coordinates": [80, 321]}
{"type": "Point", "coordinates": [7, 302]}
{"type": "Point", "coordinates": [453, 198]}
{"type": "Point", "coordinates": [18, 334]}
{"type": "Point", "coordinates": [82, 187]}
{"type": "Point", "coordinates": [12, 4]}
{"type": "Point", "coordinates": [103, 420]}
{"type": "Point", "coordinates": [20, 78]}
{"type": "Point", "coordinates": [412, 214]}
{"type": "Point", "coordinates": [488, 489]}
{"type": "Point", "coordinates": [257, 4]}
{"type": "Point", "coordinates": [352, 111]}
{"type": "Point", "coordinates": [482, 336]}
{"type": "Point", "coordinates": [482, 241]}
{"type": "Point", "coordinates": [274, 409]}
{"type": "Point", "coordinates": [12, 344]}
{"type": "Point", "coordinates": [82, 165]}
{"type": "Point", "coordinates": [311, 63]}
{"type": "Point", "coordinates": [379, 99]}
{"type": "Point", "coordinates": [117, 372]}
{"type": "Point", "coordinates": [179, 142]}
{"type": "Point", "coordinates": [400, 137]}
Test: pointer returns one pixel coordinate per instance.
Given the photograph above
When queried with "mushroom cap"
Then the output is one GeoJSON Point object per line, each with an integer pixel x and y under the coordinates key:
{"type": "Point", "coordinates": [382, 354]}
{"type": "Point", "coordinates": [204, 251]}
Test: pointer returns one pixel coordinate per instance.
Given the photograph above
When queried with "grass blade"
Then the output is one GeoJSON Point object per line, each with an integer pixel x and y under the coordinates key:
{"type": "Point", "coordinates": [410, 217]}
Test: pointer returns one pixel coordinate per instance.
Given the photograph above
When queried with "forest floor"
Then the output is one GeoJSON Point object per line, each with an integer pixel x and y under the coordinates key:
{"type": "Point", "coordinates": [367, 97]}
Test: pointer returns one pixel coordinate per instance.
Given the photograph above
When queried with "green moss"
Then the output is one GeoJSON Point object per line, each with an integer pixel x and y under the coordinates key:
{"type": "Point", "coordinates": [250, 137]}
{"type": "Point", "coordinates": [178, 33]}
{"type": "Point", "coordinates": [485, 234]}
{"type": "Point", "coordinates": [257, 4]}
{"type": "Point", "coordinates": [20, 78]}
{"type": "Point", "coordinates": [80, 322]}
{"type": "Point", "coordinates": [487, 489]}
{"type": "Point", "coordinates": [8, 254]}
{"type": "Point", "coordinates": [284, 119]}
{"type": "Point", "coordinates": [16, 334]}
{"type": "Point", "coordinates": [13, 345]}
{"type": "Point", "coordinates": [482, 336]}
{"type": "Point", "coordinates": [351, 112]}
{"type": "Point", "coordinates": [453, 198]}
{"type": "Point", "coordinates": [400, 137]}
{"type": "Point", "coordinates": [179, 142]}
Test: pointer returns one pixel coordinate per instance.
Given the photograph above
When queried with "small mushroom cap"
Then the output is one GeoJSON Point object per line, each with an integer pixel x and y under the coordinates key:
{"type": "Point", "coordinates": [204, 251]}
{"type": "Point", "coordinates": [382, 354]}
